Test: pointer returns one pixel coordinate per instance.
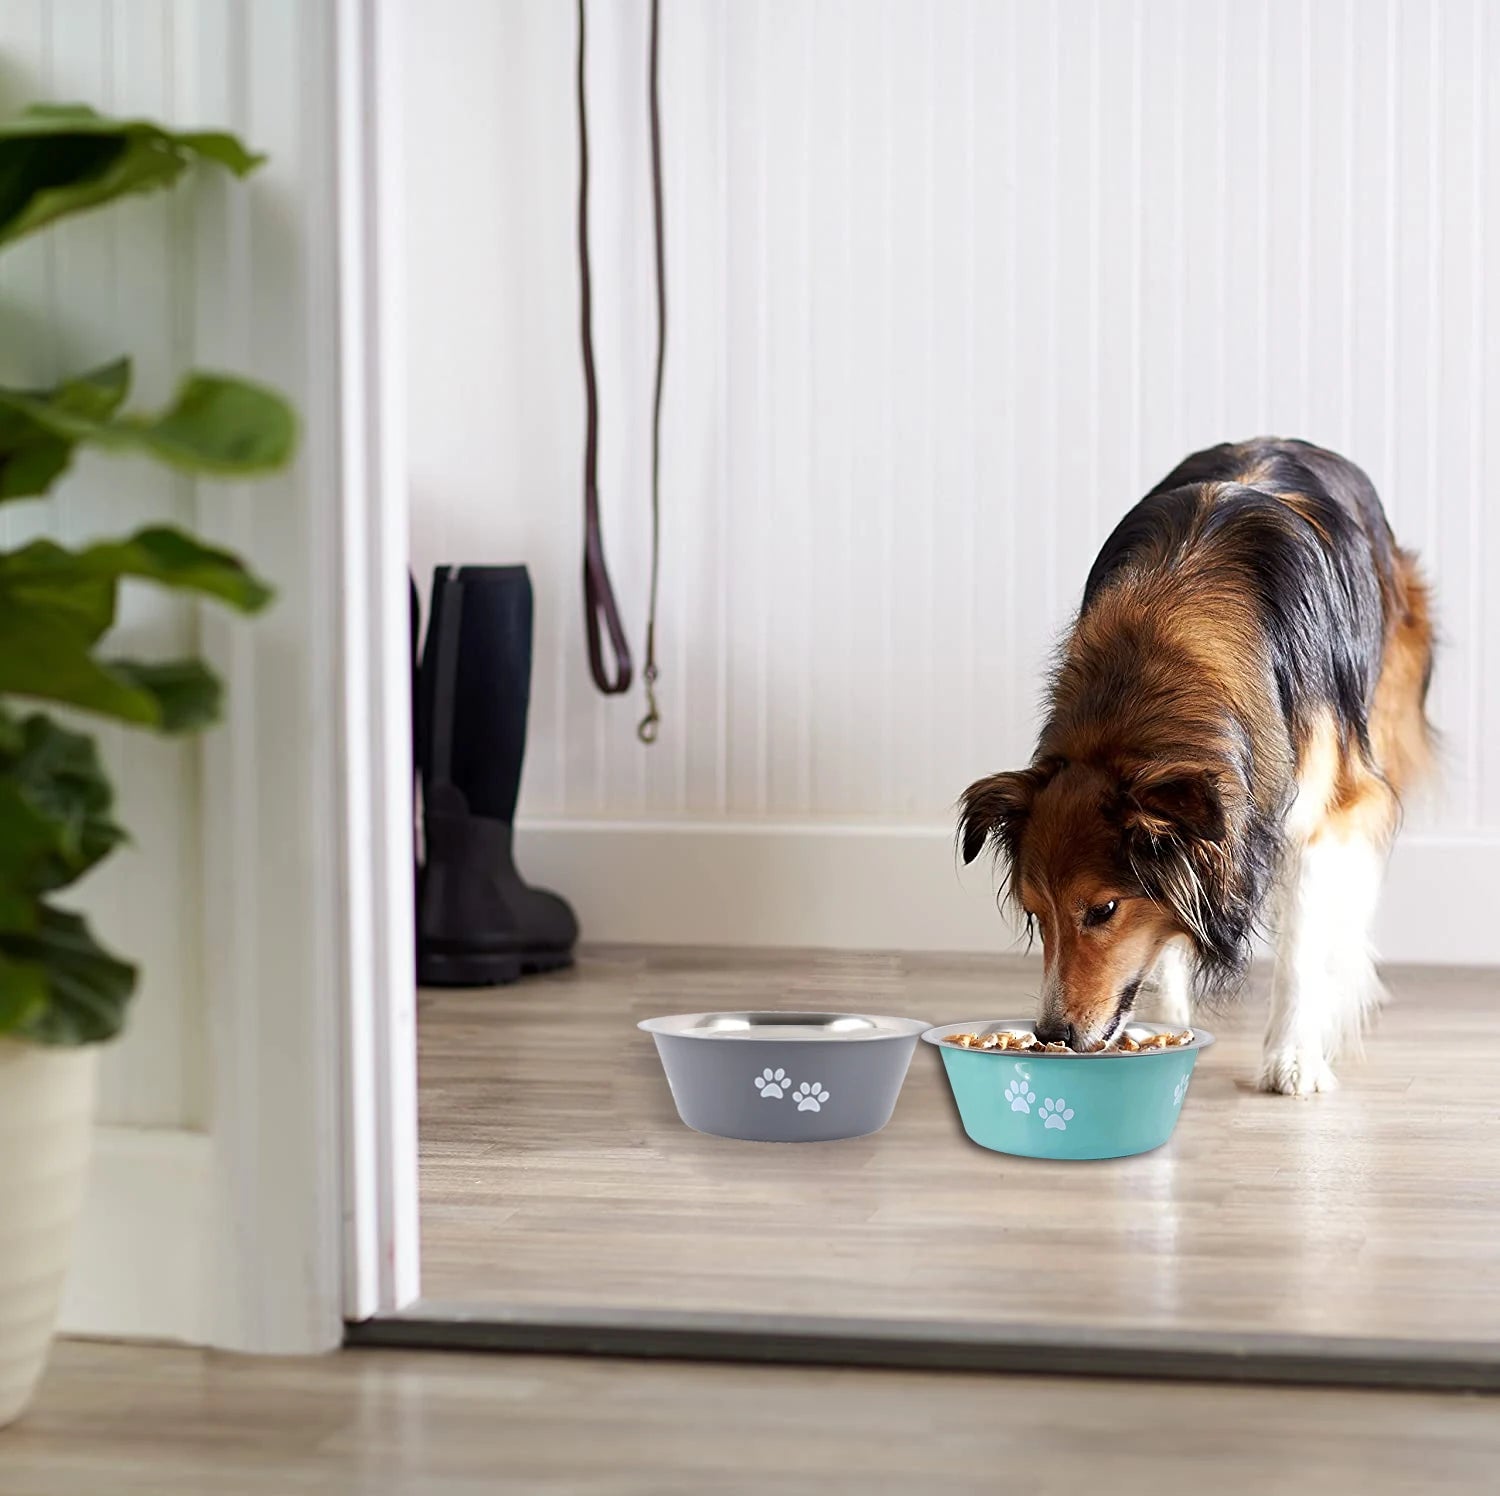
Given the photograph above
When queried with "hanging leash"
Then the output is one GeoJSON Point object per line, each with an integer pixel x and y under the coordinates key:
{"type": "Point", "coordinates": [600, 606]}
{"type": "Point", "coordinates": [648, 726]}
{"type": "Point", "coordinates": [598, 595]}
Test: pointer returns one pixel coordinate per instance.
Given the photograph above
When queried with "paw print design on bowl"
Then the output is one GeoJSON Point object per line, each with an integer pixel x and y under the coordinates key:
{"type": "Point", "coordinates": [1020, 1096]}
{"type": "Point", "coordinates": [772, 1084]}
{"type": "Point", "coordinates": [1056, 1113]}
{"type": "Point", "coordinates": [810, 1098]}
{"type": "Point", "coordinates": [1181, 1090]}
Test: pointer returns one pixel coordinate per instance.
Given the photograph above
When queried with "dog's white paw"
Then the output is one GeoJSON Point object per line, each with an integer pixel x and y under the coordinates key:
{"type": "Point", "coordinates": [1296, 1072]}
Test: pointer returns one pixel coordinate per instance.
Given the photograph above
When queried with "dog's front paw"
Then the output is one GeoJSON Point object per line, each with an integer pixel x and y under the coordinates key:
{"type": "Point", "coordinates": [1296, 1072]}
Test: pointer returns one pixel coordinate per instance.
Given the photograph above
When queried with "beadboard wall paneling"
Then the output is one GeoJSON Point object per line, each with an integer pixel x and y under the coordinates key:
{"type": "Point", "coordinates": [221, 1221]}
{"type": "Point", "coordinates": [950, 285]}
{"type": "Point", "coordinates": [73, 297]}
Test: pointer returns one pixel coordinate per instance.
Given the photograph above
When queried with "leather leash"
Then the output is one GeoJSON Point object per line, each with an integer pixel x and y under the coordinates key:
{"type": "Point", "coordinates": [647, 728]}
{"type": "Point", "coordinates": [601, 610]}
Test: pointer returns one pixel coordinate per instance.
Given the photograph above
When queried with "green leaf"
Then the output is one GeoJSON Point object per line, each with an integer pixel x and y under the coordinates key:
{"type": "Point", "coordinates": [215, 424]}
{"type": "Point", "coordinates": [58, 775]}
{"type": "Point", "coordinates": [222, 147]}
{"type": "Point", "coordinates": [46, 652]}
{"type": "Point", "coordinates": [28, 846]}
{"type": "Point", "coordinates": [44, 574]}
{"type": "Point", "coordinates": [58, 159]}
{"type": "Point", "coordinates": [46, 656]}
{"type": "Point", "coordinates": [23, 993]}
{"type": "Point", "coordinates": [173, 559]}
{"type": "Point", "coordinates": [42, 661]}
{"type": "Point", "coordinates": [86, 987]}
{"type": "Point", "coordinates": [97, 394]}
{"type": "Point", "coordinates": [56, 604]}
{"type": "Point", "coordinates": [187, 694]}
{"type": "Point", "coordinates": [32, 456]}
{"type": "Point", "coordinates": [45, 581]}
{"type": "Point", "coordinates": [56, 985]}
{"type": "Point", "coordinates": [54, 814]}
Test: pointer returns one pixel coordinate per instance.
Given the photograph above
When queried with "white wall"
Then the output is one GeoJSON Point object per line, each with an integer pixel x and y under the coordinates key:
{"type": "Point", "coordinates": [214, 1206]}
{"type": "Point", "coordinates": [74, 297]}
{"type": "Point", "coordinates": [951, 284]}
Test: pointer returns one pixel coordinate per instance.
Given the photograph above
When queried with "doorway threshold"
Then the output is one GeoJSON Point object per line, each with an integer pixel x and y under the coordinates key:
{"type": "Point", "coordinates": [1202, 1356]}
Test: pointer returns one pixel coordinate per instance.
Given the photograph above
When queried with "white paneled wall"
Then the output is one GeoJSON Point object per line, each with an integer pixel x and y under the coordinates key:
{"type": "Point", "coordinates": [209, 1218]}
{"type": "Point", "coordinates": [951, 284]}
{"type": "Point", "coordinates": [71, 298]}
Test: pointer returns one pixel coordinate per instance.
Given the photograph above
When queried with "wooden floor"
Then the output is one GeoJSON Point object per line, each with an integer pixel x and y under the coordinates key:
{"type": "Point", "coordinates": [555, 1171]}
{"type": "Point", "coordinates": [137, 1421]}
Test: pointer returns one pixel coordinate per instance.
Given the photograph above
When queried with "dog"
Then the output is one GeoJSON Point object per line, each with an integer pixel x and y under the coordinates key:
{"type": "Point", "coordinates": [1231, 725]}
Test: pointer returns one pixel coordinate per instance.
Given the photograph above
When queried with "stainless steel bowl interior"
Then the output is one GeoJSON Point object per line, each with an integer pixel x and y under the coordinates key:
{"type": "Point", "coordinates": [1138, 1030]}
{"type": "Point", "coordinates": [796, 1026]}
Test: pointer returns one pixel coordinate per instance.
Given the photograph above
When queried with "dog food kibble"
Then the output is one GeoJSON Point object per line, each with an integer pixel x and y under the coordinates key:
{"type": "Point", "coordinates": [1002, 1040]}
{"type": "Point", "coordinates": [1008, 1040]}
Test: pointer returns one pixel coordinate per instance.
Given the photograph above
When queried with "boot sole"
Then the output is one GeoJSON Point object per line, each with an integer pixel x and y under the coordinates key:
{"type": "Point", "coordinates": [485, 968]}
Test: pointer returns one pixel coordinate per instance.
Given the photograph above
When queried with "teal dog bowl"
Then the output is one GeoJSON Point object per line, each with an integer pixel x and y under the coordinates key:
{"type": "Point", "coordinates": [1103, 1105]}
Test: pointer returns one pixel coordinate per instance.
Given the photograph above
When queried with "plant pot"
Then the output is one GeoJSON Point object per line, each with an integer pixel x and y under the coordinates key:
{"type": "Point", "coordinates": [46, 1118]}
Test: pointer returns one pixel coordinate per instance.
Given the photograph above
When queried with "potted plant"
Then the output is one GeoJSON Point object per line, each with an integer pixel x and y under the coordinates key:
{"type": "Point", "coordinates": [61, 993]}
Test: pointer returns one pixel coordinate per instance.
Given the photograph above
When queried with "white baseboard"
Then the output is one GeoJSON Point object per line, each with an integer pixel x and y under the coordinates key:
{"type": "Point", "coordinates": [142, 1257]}
{"type": "Point", "coordinates": [901, 888]}
{"type": "Point", "coordinates": [1438, 903]}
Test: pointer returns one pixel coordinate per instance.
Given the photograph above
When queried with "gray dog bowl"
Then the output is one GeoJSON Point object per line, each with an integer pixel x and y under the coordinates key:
{"type": "Point", "coordinates": [785, 1077]}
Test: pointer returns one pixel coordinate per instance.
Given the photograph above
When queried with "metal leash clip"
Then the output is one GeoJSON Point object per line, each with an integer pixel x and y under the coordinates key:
{"type": "Point", "coordinates": [646, 729]}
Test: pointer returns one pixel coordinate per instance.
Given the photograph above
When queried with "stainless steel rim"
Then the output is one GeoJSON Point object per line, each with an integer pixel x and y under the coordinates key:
{"type": "Point", "coordinates": [938, 1035]}
{"type": "Point", "coordinates": [789, 1026]}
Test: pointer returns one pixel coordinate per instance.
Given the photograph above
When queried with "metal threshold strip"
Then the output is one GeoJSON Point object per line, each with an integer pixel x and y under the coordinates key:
{"type": "Point", "coordinates": [1071, 1350]}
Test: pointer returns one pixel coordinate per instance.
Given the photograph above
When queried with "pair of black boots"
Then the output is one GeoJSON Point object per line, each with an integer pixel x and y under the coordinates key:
{"type": "Point", "coordinates": [478, 924]}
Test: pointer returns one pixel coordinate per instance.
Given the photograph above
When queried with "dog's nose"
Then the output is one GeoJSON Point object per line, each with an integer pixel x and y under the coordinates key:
{"type": "Point", "coordinates": [1055, 1031]}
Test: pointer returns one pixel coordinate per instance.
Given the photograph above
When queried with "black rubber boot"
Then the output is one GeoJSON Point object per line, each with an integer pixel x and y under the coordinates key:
{"type": "Point", "coordinates": [478, 924]}
{"type": "Point", "coordinates": [416, 736]}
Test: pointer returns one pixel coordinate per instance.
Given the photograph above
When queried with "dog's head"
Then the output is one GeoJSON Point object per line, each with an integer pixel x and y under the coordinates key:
{"type": "Point", "coordinates": [1109, 865]}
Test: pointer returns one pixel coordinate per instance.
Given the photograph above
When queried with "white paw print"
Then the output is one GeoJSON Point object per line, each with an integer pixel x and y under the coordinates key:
{"type": "Point", "coordinates": [772, 1084]}
{"type": "Point", "coordinates": [1020, 1096]}
{"type": "Point", "coordinates": [810, 1098]}
{"type": "Point", "coordinates": [1181, 1090]}
{"type": "Point", "coordinates": [1057, 1113]}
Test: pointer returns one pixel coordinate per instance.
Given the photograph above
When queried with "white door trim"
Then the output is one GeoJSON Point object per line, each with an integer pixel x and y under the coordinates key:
{"type": "Point", "coordinates": [273, 968]}
{"type": "Point", "coordinates": [307, 900]}
{"type": "Point", "coordinates": [382, 1270]}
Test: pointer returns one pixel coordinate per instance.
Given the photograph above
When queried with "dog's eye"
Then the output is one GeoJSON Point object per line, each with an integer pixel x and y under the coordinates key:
{"type": "Point", "coordinates": [1100, 913]}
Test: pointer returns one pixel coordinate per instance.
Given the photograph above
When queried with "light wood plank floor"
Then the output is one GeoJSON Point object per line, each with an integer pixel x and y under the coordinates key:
{"type": "Point", "coordinates": [555, 1171]}
{"type": "Point", "coordinates": [139, 1421]}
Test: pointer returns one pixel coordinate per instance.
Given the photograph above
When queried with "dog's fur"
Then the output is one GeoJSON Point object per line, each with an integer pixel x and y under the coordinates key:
{"type": "Point", "coordinates": [1238, 708]}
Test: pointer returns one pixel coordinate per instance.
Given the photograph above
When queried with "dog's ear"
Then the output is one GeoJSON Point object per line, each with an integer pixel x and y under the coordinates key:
{"type": "Point", "coordinates": [994, 810]}
{"type": "Point", "coordinates": [1171, 806]}
{"type": "Point", "coordinates": [1175, 835]}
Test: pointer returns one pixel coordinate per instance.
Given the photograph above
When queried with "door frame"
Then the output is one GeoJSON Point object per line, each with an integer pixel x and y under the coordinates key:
{"type": "Point", "coordinates": [307, 787]}
{"type": "Point", "coordinates": [315, 1128]}
{"type": "Point", "coordinates": [382, 1253]}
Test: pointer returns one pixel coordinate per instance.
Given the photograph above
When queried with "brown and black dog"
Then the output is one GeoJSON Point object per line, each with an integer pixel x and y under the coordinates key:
{"type": "Point", "coordinates": [1237, 710]}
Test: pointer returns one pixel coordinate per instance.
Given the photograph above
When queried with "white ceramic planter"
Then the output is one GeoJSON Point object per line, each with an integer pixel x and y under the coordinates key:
{"type": "Point", "coordinates": [46, 1116]}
